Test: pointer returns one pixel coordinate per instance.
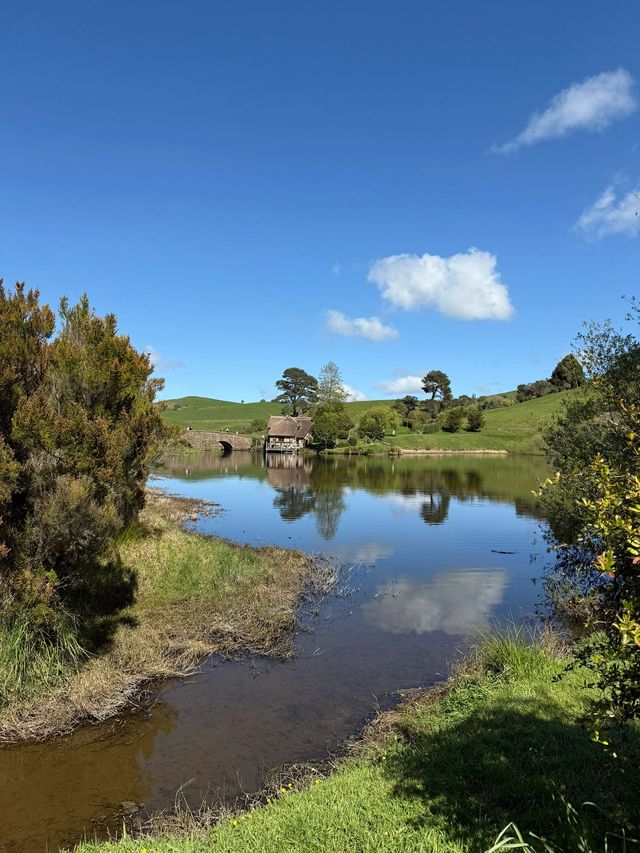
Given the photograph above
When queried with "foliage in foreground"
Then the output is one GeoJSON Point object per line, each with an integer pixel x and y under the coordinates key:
{"type": "Point", "coordinates": [502, 743]}
{"type": "Point", "coordinates": [594, 507]}
{"type": "Point", "coordinates": [78, 433]}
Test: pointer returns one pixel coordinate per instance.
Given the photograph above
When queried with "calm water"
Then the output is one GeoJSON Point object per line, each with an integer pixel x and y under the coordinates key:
{"type": "Point", "coordinates": [422, 538]}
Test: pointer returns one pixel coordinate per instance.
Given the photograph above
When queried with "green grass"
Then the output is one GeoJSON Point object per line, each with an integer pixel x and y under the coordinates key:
{"type": "Point", "coordinates": [191, 596]}
{"type": "Point", "coordinates": [517, 429]}
{"type": "Point", "coordinates": [32, 661]}
{"type": "Point", "coordinates": [447, 772]}
{"type": "Point", "coordinates": [204, 413]}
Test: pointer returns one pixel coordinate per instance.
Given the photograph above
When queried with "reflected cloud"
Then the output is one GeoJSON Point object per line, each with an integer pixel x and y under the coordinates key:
{"type": "Point", "coordinates": [452, 602]}
{"type": "Point", "coordinates": [368, 552]}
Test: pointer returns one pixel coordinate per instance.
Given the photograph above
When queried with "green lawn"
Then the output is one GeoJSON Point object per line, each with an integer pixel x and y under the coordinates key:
{"type": "Point", "coordinates": [503, 744]}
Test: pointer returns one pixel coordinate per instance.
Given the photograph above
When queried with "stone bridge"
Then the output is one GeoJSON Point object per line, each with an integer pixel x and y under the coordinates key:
{"type": "Point", "coordinates": [209, 440]}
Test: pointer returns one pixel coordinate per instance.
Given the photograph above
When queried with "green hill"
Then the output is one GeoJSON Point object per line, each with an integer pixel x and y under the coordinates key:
{"type": "Point", "coordinates": [517, 429]}
{"type": "Point", "coordinates": [205, 413]}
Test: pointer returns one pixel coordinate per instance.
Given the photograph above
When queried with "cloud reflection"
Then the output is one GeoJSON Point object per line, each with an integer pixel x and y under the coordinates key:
{"type": "Point", "coordinates": [452, 602]}
{"type": "Point", "coordinates": [367, 552]}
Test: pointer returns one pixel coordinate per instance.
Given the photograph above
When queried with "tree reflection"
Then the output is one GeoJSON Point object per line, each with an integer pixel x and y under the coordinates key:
{"type": "Point", "coordinates": [293, 502]}
{"type": "Point", "coordinates": [435, 509]}
{"type": "Point", "coordinates": [317, 485]}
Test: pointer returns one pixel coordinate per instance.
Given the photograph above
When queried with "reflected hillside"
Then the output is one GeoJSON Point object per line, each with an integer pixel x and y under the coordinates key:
{"type": "Point", "coordinates": [306, 485]}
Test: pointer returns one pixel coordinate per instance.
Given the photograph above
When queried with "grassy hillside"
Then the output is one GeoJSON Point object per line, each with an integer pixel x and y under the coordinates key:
{"type": "Point", "coordinates": [205, 413]}
{"type": "Point", "coordinates": [517, 429]}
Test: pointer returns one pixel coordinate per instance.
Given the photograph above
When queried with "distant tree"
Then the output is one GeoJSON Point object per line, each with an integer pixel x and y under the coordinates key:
{"type": "Point", "coordinates": [330, 424]}
{"type": "Point", "coordinates": [258, 425]}
{"type": "Point", "coordinates": [568, 373]}
{"type": "Point", "coordinates": [475, 419]}
{"type": "Point", "coordinates": [298, 391]}
{"type": "Point", "coordinates": [532, 390]}
{"type": "Point", "coordinates": [464, 400]}
{"type": "Point", "coordinates": [498, 401]}
{"type": "Point", "coordinates": [437, 386]}
{"type": "Point", "coordinates": [404, 407]}
{"type": "Point", "coordinates": [453, 420]}
{"type": "Point", "coordinates": [377, 422]}
{"type": "Point", "coordinates": [431, 408]}
{"type": "Point", "coordinates": [330, 385]}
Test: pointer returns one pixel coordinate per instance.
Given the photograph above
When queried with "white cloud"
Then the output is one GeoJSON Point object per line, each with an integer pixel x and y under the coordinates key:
{"type": "Point", "coordinates": [353, 395]}
{"type": "Point", "coordinates": [612, 214]}
{"type": "Point", "coordinates": [336, 269]}
{"type": "Point", "coordinates": [593, 104]}
{"type": "Point", "coordinates": [402, 385]}
{"type": "Point", "coordinates": [466, 286]}
{"type": "Point", "coordinates": [159, 362]}
{"type": "Point", "coordinates": [453, 602]}
{"type": "Point", "coordinates": [371, 328]}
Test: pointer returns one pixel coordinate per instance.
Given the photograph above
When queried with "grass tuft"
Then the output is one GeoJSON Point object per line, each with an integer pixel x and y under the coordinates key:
{"type": "Point", "coordinates": [31, 658]}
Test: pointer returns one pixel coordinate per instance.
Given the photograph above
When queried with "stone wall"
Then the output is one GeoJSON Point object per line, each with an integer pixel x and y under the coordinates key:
{"type": "Point", "coordinates": [208, 440]}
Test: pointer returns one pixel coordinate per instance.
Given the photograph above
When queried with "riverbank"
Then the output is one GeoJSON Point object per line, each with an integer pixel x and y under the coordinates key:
{"type": "Point", "coordinates": [194, 596]}
{"type": "Point", "coordinates": [501, 742]}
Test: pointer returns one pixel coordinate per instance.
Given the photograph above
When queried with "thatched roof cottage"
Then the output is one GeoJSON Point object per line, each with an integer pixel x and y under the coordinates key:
{"type": "Point", "coordinates": [286, 434]}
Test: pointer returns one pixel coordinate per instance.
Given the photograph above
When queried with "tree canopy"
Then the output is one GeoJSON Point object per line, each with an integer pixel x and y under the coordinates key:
{"type": "Point", "coordinates": [331, 388]}
{"type": "Point", "coordinates": [298, 391]}
{"type": "Point", "coordinates": [437, 386]}
{"type": "Point", "coordinates": [567, 374]}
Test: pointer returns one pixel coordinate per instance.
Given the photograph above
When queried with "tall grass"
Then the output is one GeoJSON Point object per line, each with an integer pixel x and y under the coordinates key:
{"type": "Point", "coordinates": [32, 656]}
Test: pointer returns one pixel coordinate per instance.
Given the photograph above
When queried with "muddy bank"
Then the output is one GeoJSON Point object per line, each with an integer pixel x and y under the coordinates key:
{"type": "Point", "coordinates": [196, 596]}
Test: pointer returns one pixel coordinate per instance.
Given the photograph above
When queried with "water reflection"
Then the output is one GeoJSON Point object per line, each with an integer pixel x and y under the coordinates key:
{"type": "Point", "coordinates": [453, 602]}
{"type": "Point", "coordinates": [318, 486]}
{"type": "Point", "coordinates": [423, 534]}
{"type": "Point", "coordinates": [86, 783]}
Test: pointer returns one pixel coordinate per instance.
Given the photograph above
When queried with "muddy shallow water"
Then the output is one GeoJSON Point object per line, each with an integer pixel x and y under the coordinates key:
{"type": "Point", "coordinates": [421, 539]}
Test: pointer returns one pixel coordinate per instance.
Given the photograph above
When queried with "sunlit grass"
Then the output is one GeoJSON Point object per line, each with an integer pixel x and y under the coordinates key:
{"type": "Point", "coordinates": [502, 743]}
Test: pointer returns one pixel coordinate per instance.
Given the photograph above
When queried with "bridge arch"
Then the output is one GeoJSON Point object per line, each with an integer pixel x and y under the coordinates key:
{"type": "Point", "coordinates": [215, 439]}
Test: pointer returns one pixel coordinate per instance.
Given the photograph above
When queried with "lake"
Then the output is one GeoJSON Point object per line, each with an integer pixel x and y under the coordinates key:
{"type": "Point", "coordinates": [433, 550]}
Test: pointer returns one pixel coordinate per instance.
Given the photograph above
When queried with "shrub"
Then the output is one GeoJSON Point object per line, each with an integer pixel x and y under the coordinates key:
{"type": "Point", "coordinates": [78, 433]}
{"type": "Point", "coordinates": [540, 388]}
{"type": "Point", "coordinates": [331, 423]}
{"type": "Point", "coordinates": [453, 420]}
{"type": "Point", "coordinates": [593, 504]}
{"type": "Point", "coordinates": [475, 419]}
{"type": "Point", "coordinates": [377, 422]}
{"type": "Point", "coordinates": [498, 402]}
{"type": "Point", "coordinates": [417, 421]}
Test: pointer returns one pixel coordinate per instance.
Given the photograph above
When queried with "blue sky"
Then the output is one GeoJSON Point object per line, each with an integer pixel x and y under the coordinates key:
{"type": "Point", "coordinates": [236, 182]}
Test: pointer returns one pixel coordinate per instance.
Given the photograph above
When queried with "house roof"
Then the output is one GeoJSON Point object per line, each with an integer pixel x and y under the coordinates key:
{"type": "Point", "coordinates": [285, 426]}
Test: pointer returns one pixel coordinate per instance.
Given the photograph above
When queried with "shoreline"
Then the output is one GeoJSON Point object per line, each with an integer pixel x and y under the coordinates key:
{"type": "Point", "coordinates": [169, 631]}
{"type": "Point", "coordinates": [401, 451]}
{"type": "Point", "coordinates": [448, 769]}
